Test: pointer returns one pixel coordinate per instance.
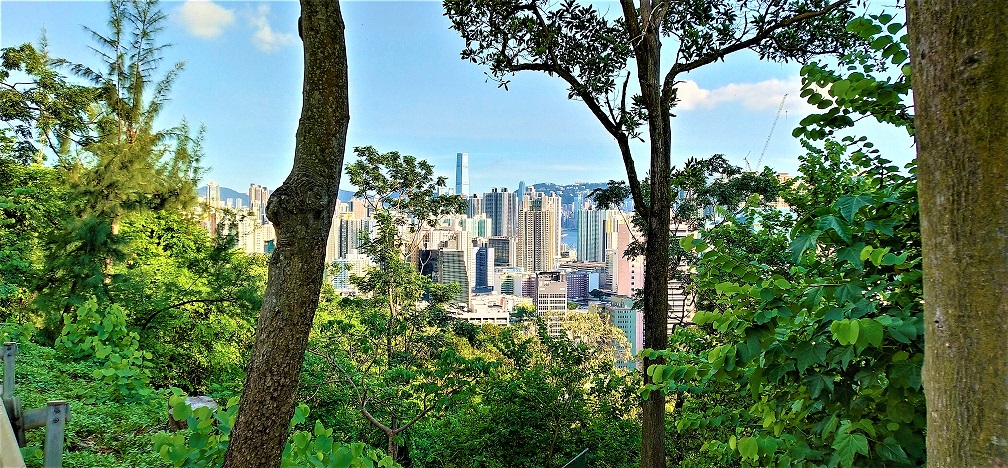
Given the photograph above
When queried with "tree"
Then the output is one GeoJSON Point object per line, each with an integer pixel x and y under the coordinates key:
{"type": "Point", "coordinates": [125, 164]}
{"type": "Point", "coordinates": [301, 210]}
{"type": "Point", "coordinates": [45, 113]}
{"type": "Point", "coordinates": [405, 363]}
{"type": "Point", "coordinates": [590, 53]}
{"type": "Point", "coordinates": [960, 69]}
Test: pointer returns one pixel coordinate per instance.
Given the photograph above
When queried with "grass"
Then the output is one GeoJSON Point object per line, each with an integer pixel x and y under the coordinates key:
{"type": "Point", "coordinates": [99, 433]}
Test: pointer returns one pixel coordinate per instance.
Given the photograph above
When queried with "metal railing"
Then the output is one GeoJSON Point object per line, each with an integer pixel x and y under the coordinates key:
{"type": "Point", "coordinates": [14, 422]}
{"type": "Point", "coordinates": [580, 461]}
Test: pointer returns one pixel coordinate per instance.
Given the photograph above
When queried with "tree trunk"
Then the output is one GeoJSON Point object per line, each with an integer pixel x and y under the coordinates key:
{"type": "Point", "coordinates": [301, 210]}
{"type": "Point", "coordinates": [960, 66]}
{"type": "Point", "coordinates": [656, 247]}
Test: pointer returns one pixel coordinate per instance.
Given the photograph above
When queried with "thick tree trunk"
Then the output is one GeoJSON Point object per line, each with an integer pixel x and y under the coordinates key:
{"type": "Point", "coordinates": [959, 53]}
{"type": "Point", "coordinates": [301, 211]}
{"type": "Point", "coordinates": [656, 247]}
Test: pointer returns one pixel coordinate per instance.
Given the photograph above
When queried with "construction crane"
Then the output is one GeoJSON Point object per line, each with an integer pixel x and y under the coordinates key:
{"type": "Point", "coordinates": [769, 135]}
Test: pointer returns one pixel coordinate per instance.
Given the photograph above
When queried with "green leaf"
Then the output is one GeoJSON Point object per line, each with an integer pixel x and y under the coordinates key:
{"type": "Point", "coordinates": [848, 292]}
{"type": "Point", "coordinates": [848, 445]}
{"type": "Point", "coordinates": [802, 243]}
{"type": "Point", "coordinates": [870, 333]}
{"type": "Point", "coordinates": [845, 331]}
{"type": "Point", "coordinates": [890, 449]}
{"type": "Point", "coordinates": [831, 222]}
{"type": "Point", "coordinates": [748, 448]}
{"type": "Point", "coordinates": [850, 205]}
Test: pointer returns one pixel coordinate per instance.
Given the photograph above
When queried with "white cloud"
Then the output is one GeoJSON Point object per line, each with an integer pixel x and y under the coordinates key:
{"type": "Point", "coordinates": [204, 18]}
{"type": "Point", "coordinates": [763, 95]}
{"type": "Point", "coordinates": [265, 38]}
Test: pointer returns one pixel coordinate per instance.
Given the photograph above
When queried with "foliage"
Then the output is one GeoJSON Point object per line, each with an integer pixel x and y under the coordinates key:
{"type": "Point", "coordinates": [32, 201]}
{"type": "Point", "coordinates": [825, 346]}
{"type": "Point", "coordinates": [394, 347]}
{"type": "Point", "coordinates": [868, 89]}
{"type": "Point", "coordinates": [43, 110]}
{"type": "Point", "coordinates": [100, 333]}
{"type": "Point", "coordinates": [97, 433]}
{"type": "Point", "coordinates": [193, 298]}
{"type": "Point", "coordinates": [831, 351]}
{"type": "Point", "coordinates": [546, 400]}
{"type": "Point", "coordinates": [129, 166]}
{"type": "Point", "coordinates": [205, 440]}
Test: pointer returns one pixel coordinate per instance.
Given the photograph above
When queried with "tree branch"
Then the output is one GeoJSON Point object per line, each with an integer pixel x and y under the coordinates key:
{"type": "Point", "coordinates": [670, 77]}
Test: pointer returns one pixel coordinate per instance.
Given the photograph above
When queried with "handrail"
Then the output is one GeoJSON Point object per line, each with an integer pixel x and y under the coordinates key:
{"type": "Point", "coordinates": [15, 422]}
{"type": "Point", "coordinates": [10, 451]}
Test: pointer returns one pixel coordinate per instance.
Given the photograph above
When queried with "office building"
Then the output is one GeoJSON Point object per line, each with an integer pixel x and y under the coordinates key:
{"type": "Point", "coordinates": [462, 174]}
{"type": "Point", "coordinates": [474, 205]}
{"type": "Point", "coordinates": [499, 207]}
{"type": "Point", "coordinates": [577, 285]}
{"type": "Point", "coordinates": [550, 300]}
{"type": "Point", "coordinates": [452, 268]}
{"type": "Point", "coordinates": [484, 267]}
{"type": "Point", "coordinates": [504, 250]}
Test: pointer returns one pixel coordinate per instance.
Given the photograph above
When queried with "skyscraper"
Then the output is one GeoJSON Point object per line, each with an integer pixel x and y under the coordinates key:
{"type": "Point", "coordinates": [474, 205]}
{"type": "Point", "coordinates": [258, 196]}
{"type": "Point", "coordinates": [499, 207]}
{"type": "Point", "coordinates": [462, 174]}
{"type": "Point", "coordinates": [538, 231]}
{"type": "Point", "coordinates": [596, 233]}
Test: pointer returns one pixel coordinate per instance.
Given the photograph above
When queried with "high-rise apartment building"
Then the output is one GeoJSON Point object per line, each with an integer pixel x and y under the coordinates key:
{"type": "Point", "coordinates": [597, 233]}
{"type": "Point", "coordinates": [258, 196]}
{"type": "Point", "coordinates": [462, 174]}
{"type": "Point", "coordinates": [550, 300]}
{"type": "Point", "coordinates": [499, 208]}
{"type": "Point", "coordinates": [538, 231]}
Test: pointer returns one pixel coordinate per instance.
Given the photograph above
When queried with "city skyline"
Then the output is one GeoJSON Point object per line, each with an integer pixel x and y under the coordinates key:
{"type": "Point", "coordinates": [243, 81]}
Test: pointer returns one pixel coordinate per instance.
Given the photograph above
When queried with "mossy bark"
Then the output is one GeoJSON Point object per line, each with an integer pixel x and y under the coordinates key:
{"type": "Point", "coordinates": [301, 210]}
{"type": "Point", "coordinates": [959, 54]}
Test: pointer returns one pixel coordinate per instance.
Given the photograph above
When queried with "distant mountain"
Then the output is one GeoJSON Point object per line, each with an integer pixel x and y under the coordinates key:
{"type": "Point", "coordinates": [225, 193]}
{"type": "Point", "coordinates": [568, 193]}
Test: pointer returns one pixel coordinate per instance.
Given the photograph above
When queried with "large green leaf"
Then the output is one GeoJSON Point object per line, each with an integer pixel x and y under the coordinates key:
{"type": "Point", "coordinates": [845, 331]}
{"type": "Point", "coordinates": [802, 243]}
{"type": "Point", "coordinates": [749, 448]}
{"type": "Point", "coordinates": [847, 445]}
{"type": "Point", "coordinates": [841, 227]}
{"type": "Point", "coordinates": [849, 205]}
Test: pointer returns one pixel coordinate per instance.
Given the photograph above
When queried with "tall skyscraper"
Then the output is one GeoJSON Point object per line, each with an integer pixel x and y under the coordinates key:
{"type": "Point", "coordinates": [453, 268]}
{"type": "Point", "coordinates": [499, 207]}
{"type": "Point", "coordinates": [538, 231]}
{"type": "Point", "coordinates": [462, 174]}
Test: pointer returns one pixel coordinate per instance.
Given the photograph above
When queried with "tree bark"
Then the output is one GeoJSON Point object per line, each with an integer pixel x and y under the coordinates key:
{"type": "Point", "coordinates": [960, 66]}
{"type": "Point", "coordinates": [656, 256]}
{"type": "Point", "coordinates": [301, 210]}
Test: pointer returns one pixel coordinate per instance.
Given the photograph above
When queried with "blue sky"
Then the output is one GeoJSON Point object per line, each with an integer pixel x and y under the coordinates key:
{"type": "Point", "coordinates": [410, 91]}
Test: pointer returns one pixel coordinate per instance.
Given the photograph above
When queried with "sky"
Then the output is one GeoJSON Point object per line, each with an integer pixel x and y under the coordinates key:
{"type": "Point", "coordinates": [411, 92]}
